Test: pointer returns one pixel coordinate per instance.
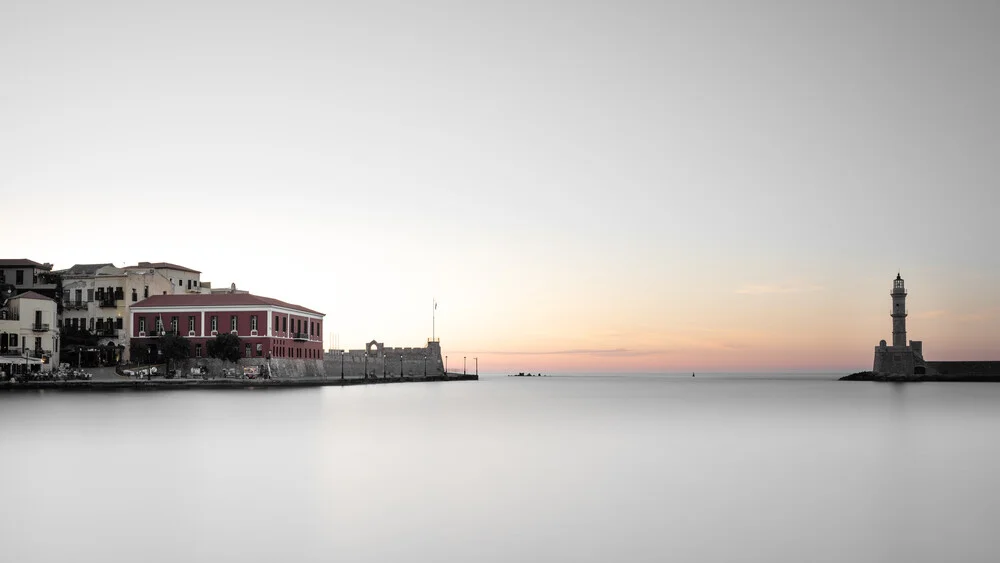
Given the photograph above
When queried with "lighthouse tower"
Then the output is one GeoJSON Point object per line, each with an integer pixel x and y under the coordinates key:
{"type": "Point", "coordinates": [898, 313]}
{"type": "Point", "coordinates": [900, 359]}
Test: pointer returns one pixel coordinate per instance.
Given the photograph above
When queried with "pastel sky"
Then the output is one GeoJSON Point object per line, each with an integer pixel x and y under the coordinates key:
{"type": "Point", "coordinates": [583, 186]}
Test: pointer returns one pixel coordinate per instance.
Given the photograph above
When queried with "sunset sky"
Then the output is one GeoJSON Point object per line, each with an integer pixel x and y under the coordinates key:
{"type": "Point", "coordinates": [583, 186]}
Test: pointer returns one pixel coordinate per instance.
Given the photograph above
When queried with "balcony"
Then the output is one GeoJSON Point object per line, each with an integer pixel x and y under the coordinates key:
{"type": "Point", "coordinates": [300, 336]}
{"type": "Point", "coordinates": [106, 332]}
{"type": "Point", "coordinates": [76, 305]}
{"type": "Point", "coordinates": [39, 327]}
{"type": "Point", "coordinates": [38, 353]}
{"type": "Point", "coordinates": [108, 302]}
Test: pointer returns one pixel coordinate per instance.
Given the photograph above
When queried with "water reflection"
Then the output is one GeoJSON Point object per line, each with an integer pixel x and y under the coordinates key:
{"type": "Point", "coordinates": [505, 469]}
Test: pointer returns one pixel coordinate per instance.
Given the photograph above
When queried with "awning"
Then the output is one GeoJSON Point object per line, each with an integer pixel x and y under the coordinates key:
{"type": "Point", "coordinates": [19, 360]}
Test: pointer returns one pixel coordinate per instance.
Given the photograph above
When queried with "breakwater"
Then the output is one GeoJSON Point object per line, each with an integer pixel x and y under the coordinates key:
{"type": "Point", "coordinates": [220, 383]}
{"type": "Point", "coordinates": [958, 376]}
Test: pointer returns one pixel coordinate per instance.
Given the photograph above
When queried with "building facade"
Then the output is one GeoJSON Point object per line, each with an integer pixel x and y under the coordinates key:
{"type": "Point", "coordinates": [96, 304]}
{"type": "Point", "coordinates": [266, 327]}
{"type": "Point", "coordinates": [27, 275]}
{"type": "Point", "coordinates": [29, 339]}
{"type": "Point", "coordinates": [182, 280]}
{"type": "Point", "coordinates": [97, 298]}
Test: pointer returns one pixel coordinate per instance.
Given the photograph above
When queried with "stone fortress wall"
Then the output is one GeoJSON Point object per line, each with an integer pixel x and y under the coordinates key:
{"type": "Point", "coordinates": [378, 359]}
{"type": "Point", "coordinates": [351, 363]}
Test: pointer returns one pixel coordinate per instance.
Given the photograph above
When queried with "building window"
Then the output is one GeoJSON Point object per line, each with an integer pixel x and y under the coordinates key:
{"type": "Point", "coordinates": [119, 293]}
{"type": "Point", "coordinates": [260, 350]}
{"type": "Point", "coordinates": [173, 324]}
{"type": "Point", "coordinates": [79, 296]}
{"type": "Point", "coordinates": [135, 295]}
{"type": "Point", "coordinates": [90, 295]}
{"type": "Point", "coordinates": [197, 350]}
{"type": "Point", "coordinates": [91, 324]}
{"type": "Point", "coordinates": [276, 325]}
{"type": "Point", "coordinates": [180, 283]}
{"type": "Point", "coordinates": [248, 350]}
{"type": "Point", "coordinates": [215, 323]}
{"type": "Point", "coordinates": [19, 277]}
{"type": "Point", "coordinates": [118, 323]}
{"type": "Point", "coordinates": [191, 323]}
{"type": "Point", "coordinates": [284, 324]}
{"type": "Point", "coordinates": [145, 291]}
{"type": "Point", "coordinates": [189, 284]}
{"type": "Point", "coordinates": [253, 322]}
{"type": "Point", "coordinates": [159, 324]}
{"type": "Point", "coordinates": [233, 323]}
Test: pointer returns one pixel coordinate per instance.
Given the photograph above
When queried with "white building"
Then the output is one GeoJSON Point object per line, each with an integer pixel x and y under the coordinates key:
{"type": "Point", "coordinates": [97, 298]}
{"type": "Point", "coordinates": [182, 280]}
{"type": "Point", "coordinates": [29, 340]}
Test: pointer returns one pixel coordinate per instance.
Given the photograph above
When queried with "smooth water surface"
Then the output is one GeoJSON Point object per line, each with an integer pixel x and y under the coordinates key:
{"type": "Point", "coordinates": [623, 468]}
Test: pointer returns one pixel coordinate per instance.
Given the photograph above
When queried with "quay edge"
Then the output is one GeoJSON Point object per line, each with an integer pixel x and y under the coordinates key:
{"type": "Point", "coordinates": [174, 384]}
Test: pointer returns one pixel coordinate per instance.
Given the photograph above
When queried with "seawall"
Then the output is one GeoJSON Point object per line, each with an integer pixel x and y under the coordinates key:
{"type": "Point", "coordinates": [957, 376]}
{"type": "Point", "coordinates": [222, 383]}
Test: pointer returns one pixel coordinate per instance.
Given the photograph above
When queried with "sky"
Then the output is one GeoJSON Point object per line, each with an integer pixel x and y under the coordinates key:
{"type": "Point", "coordinates": [582, 186]}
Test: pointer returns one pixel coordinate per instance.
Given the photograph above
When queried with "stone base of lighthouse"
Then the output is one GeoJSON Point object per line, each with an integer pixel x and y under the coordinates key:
{"type": "Point", "coordinates": [901, 360]}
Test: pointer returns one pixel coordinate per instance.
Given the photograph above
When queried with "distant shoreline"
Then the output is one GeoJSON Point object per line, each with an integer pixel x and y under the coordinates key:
{"type": "Point", "coordinates": [175, 384]}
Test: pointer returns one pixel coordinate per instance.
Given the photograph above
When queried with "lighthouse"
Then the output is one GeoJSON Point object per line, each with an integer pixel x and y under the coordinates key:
{"type": "Point", "coordinates": [898, 312]}
{"type": "Point", "coordinates": [901, 358]}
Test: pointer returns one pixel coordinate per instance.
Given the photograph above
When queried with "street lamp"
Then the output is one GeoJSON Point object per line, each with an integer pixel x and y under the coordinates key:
{"type": "Point", "coordinates": [477, 366]}
{"type": "Point", "coordinates": [401, 366]}
{"type": "Point", "coordinates": [341, 364]}
{"type": "Point", "coordinates": [446, 366]}
{"type": "Point", "coordinates": [366, 365]}
{"type": "Point", "coordinates": [425, 366]}
{"type": "Point", "coordinates": [384, 358]}
{"type": "Point", "coordinates": [464, 364]}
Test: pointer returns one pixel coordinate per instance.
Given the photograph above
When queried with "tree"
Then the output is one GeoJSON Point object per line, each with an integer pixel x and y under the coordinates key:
{"type": "Point", "coordinates": [175, 347]}
{"type": "Point", "coordinates": [226, 346]}
{"type": "Point", "coordinates": [138, 352]}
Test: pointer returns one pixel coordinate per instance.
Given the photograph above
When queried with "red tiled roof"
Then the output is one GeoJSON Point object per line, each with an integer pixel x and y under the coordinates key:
{"type": "Point", "coordinates": [32, 295]}
{"type": "Point", "coordinates": [164, 265]}
{"type": "Point", "coordinates": [20, 262]}
{"type": "Point", "coordinates": [215, 300]}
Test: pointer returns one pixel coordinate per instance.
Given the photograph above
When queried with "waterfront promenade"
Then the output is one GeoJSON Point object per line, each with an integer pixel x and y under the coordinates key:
{"type": "Point", "coordinates": [107, 379]}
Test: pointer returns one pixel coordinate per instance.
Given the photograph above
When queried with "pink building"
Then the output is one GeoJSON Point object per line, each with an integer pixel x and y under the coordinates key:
{"type": "Point", "coordinates": [266, 327]}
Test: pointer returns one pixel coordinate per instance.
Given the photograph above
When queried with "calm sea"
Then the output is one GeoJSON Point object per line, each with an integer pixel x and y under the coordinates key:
{"type": "Point", "coordinates": [596, 468]}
